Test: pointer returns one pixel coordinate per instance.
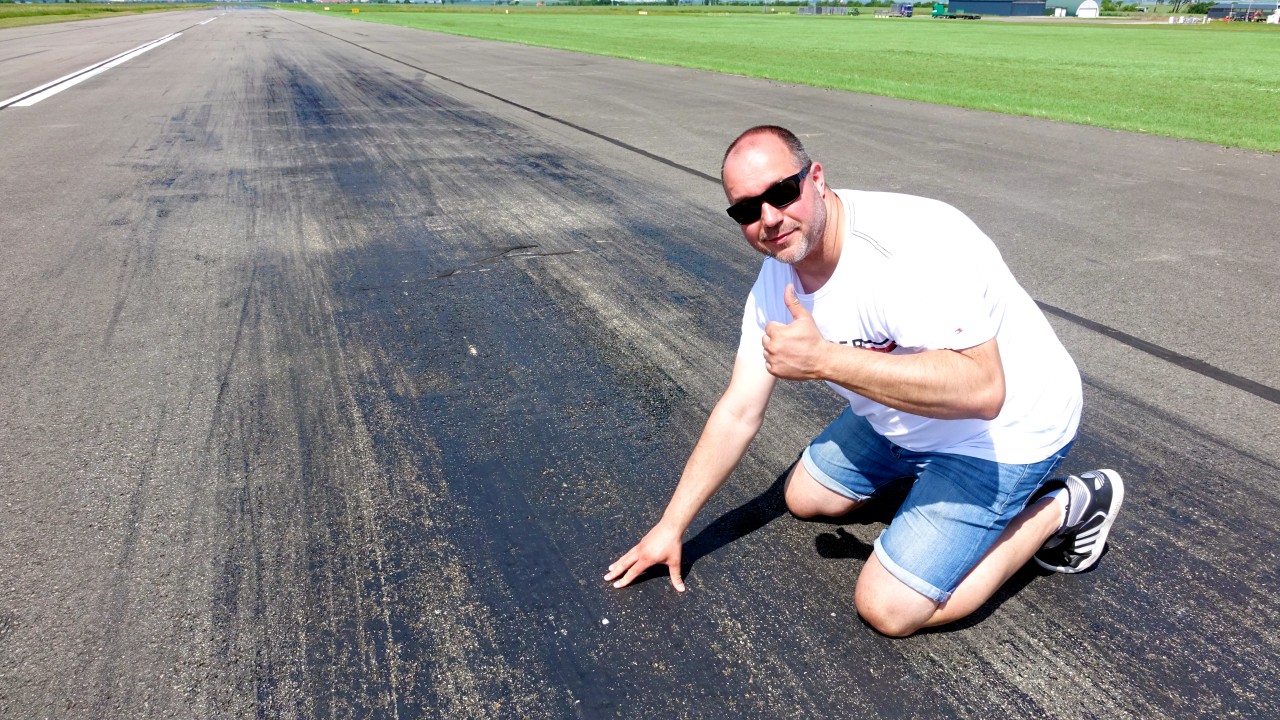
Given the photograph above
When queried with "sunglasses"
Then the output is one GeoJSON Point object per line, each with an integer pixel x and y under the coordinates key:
{"type": "Point", "coordinates": [779, 195]}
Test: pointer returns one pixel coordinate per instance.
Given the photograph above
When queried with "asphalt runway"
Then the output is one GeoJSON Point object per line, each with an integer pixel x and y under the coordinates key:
{"type": "Point", "coordinates": [340, 359]}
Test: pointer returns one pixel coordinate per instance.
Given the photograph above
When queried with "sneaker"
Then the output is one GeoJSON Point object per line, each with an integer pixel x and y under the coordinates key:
{"type": "Point", "coordinates": [1093, 499]}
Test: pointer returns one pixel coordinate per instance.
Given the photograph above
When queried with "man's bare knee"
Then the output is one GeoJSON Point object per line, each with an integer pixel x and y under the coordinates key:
{"type": "Point", "coordinates": [792, 495]}
{"type": "Point", "coordinates": [889, 605]}
{"type": "Point", "coordinates": [807, 498]}
{"type": "Point", "coordinates": [801, 510]}
{"type": "Point", "coordinates": [887, 620]}
{"type": "Point", "coordinates": [798, 503]}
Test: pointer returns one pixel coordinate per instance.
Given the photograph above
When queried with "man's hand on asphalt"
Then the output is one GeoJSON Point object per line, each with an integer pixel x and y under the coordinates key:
{"type": "Point", "coordinates": [660, 546]}
{"type": "Point", "coordinates": [794, 351]}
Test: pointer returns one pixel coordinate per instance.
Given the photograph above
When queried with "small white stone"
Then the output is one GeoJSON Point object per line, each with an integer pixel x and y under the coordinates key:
{"type": "Point", "coordinates": [604, 621]}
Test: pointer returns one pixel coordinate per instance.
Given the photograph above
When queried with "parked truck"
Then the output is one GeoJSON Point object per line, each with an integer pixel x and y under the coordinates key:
{"type": "Point", "coordinates": [897, 10]}
{"type": "Point", "coordinates": [940, 10]}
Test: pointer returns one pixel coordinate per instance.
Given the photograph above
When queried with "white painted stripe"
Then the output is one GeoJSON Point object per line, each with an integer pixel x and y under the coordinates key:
{"type": "Point", "coordinates": [50, 89]}
{"type": "Point", "coordinates": [206, 22]}
{"type": "Point", "coordinates": [64, 78]}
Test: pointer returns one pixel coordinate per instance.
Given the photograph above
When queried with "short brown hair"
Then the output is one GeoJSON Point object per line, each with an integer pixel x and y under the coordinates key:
{"type": "Point", "coordinates": [788, 138]}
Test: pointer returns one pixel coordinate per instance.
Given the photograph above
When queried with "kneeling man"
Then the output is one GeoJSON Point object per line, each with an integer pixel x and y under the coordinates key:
{"type": "Point", "coordinates": [953, 376]}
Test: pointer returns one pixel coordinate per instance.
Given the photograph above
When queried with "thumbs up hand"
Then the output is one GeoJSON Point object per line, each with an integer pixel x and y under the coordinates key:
{"type": "Point", "coordinates": [796, 350]}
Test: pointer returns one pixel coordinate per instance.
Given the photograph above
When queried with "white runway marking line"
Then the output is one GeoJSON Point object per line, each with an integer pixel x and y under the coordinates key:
{"type": "Point", "coordinates": [49, 89]}
{"type": "Point", "coordinates": [206, 22]}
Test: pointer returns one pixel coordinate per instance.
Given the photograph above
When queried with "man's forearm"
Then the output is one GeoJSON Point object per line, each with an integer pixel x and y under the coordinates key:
{"type": "Point", "coordinates": [945, 384]}
{"type": "Point", "coordinates": [723, 442]}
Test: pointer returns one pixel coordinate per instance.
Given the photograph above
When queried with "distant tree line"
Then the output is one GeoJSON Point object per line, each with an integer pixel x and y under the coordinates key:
{"type": "Point", "coordinates": [1108, 6]}
{"type": "Point", "coordinates": [756, 3]}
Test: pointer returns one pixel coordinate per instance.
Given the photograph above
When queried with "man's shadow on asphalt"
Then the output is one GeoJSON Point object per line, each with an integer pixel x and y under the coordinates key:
{"type": "Point", "coordinates": [839, 544]}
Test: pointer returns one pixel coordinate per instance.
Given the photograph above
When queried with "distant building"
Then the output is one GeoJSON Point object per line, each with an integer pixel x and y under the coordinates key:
{"type": "Point", "coordinates": [1073, 6]}
{"type": "Point", "coordinates": [1015, 8]}
{"type": "Point", "coordinates": [1241, 10]}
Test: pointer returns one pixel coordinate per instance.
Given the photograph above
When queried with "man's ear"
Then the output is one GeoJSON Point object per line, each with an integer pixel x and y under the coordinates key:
{"type": "Point", "coordinates": [819, 179]}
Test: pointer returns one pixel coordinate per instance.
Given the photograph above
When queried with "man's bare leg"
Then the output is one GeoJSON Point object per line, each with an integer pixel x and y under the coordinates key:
{"type": "Point", "coordinates": [807, 498]}
{"type": "Point", "coordinates": [895, 609]}
{"type": "Point", "coordinates": [892, 607]}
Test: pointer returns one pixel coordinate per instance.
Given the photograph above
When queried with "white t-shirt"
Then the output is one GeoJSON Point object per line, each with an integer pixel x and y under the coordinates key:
{"type": "Point", "coordinates": [916, 274]}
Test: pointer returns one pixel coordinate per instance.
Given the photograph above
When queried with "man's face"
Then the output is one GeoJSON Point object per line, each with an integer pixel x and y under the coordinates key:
{"type": "Point", "coordinates": [789, 233]}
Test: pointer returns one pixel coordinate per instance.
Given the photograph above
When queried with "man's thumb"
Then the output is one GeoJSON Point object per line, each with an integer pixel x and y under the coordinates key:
{"type": "Point", "coordinates": [676, 582]}
{"type": "Point", "coordinates": [797, 309]}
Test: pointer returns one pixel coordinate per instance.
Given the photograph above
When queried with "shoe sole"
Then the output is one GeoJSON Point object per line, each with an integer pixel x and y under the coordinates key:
{"type": "Point", "coordinates": [1117, 499]}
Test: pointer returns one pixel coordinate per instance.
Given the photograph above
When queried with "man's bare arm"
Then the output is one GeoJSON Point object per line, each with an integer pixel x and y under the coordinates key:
{"type": "Point", "coordinates": [733, 423]}
{"type": "Point", "coordinates": [946, 384]}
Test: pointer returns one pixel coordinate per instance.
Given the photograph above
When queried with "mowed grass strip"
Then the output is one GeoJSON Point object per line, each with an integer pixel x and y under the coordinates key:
{"type": "Point", "coordinates": [15, 15]}
{"type": "Point", "coordinates": [1218, 83]}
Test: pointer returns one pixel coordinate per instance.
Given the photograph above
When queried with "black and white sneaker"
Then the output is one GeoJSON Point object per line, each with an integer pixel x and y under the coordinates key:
{"type": "Point", "coordinates": [1093, 499]}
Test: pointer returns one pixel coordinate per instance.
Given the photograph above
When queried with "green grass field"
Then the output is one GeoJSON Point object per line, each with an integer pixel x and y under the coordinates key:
{"type": "Point", "coordinates": [1216, 83]}
{"type": "Point", "coordinates": [15, 15]}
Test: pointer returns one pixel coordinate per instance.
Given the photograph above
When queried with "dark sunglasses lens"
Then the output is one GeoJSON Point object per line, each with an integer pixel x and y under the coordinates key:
{"type": "Point", "coordinates": [783, 193]}
{"type": "Point", "coordinates": [780, 194]}
{"type": "Point", "coordinates": [746, 211]}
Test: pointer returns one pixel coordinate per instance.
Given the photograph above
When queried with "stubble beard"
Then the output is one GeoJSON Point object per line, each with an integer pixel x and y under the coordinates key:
{"type": "Point", "coordinates": [811, 237]}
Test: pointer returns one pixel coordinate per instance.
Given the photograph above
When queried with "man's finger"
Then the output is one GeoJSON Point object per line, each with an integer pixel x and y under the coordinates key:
{"type": "Point", "coordinates": [632, 572]}
{"type": "Point", "coordinates": [619, 567]}
{"type": "Point", "coordinates": [676, 582]}
{"type": "Point", "coordinates": [797, 309]}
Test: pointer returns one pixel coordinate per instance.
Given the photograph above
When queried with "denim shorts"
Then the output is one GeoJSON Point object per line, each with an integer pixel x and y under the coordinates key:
{"type": "Point", "coordinates": [954, 513]}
